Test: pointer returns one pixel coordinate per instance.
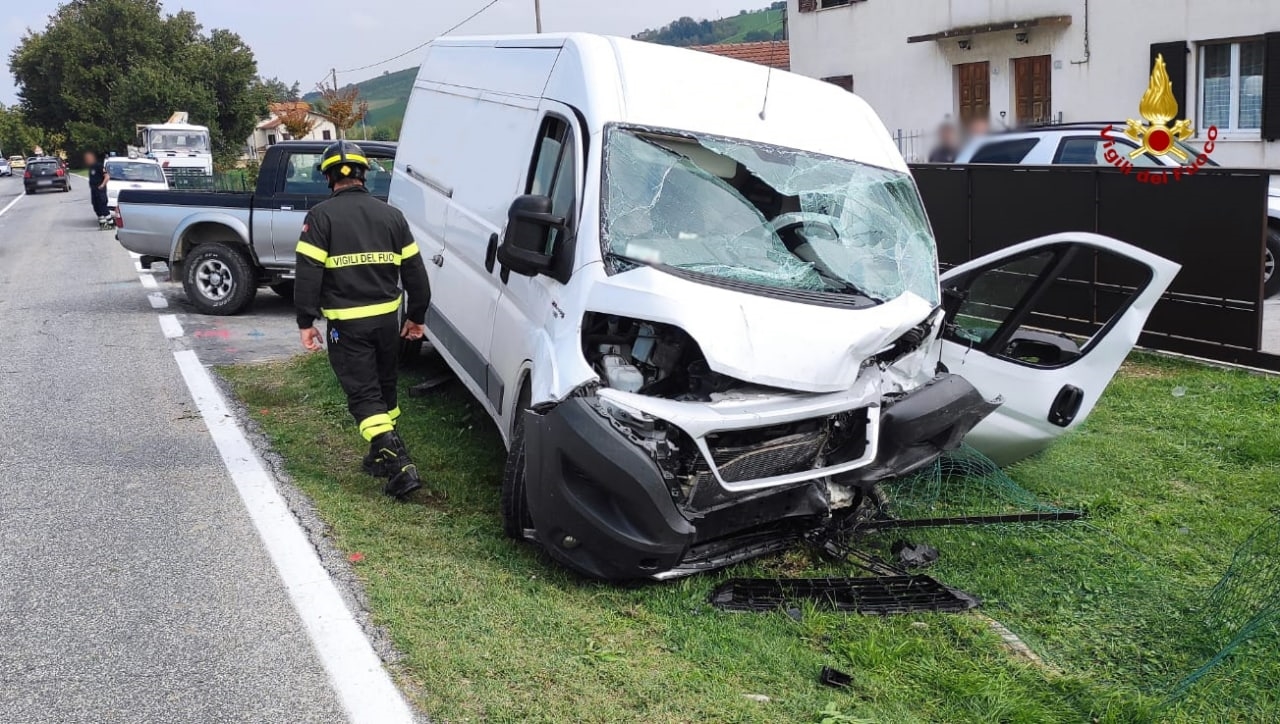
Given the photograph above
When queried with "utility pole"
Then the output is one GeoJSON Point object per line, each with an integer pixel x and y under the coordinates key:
{"type": "Point", "coordinates": [342, 133]}
{"type": "Point", "coordinates": [537, 14]}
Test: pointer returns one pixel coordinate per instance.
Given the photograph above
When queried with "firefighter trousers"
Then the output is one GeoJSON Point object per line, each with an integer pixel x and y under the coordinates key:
{"type": "Point", "coordinates": [365, 354]}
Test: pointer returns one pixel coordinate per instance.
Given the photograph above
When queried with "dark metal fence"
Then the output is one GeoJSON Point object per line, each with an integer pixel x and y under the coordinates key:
{"type": "Point", "coordinates": [1212, 223]}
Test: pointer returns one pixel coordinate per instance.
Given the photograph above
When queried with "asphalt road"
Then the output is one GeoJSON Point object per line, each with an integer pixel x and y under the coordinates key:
{"type": "Point", "coordinates": [133, 587]}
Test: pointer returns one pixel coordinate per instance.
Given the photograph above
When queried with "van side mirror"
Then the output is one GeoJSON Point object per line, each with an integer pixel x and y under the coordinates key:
{"type": "Point", "coordinates": [529, 226]}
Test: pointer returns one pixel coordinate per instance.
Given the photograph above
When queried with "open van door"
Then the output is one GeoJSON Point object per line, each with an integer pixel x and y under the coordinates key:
{"type": "Point", "coordinates": [1045, 325]}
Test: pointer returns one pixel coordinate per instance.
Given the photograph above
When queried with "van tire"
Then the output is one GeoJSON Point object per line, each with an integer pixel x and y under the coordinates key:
{"type": "Point", "coordinates": [515, 500]}
{"type": "Point", "coordinates": [284, 290]}
{"type": "Point", "coordinates": [1271, 284]}
{"type": "Point", "coordinates": [219, 279]}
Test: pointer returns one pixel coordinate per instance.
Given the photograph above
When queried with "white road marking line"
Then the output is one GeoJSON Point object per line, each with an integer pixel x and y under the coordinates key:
{"type": "Point", "coordinates": [157, 300]}
{"type": "Point", "coordinates": [148, 281]}
{"type": "Point", "coordinates": [132, 255]}
{"type": "Point", "coordinates": [13, 203]}
{"type": "Point", "coordinates": [170, 325]}
{"type": "Point", "coordinates": [356, 672]}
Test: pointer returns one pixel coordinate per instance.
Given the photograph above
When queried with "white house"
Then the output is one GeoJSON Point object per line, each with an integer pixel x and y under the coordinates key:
{"type": "Point", "coordinates": [1020, 62]}
{"type": "Point", "coordinates": [272, 131]}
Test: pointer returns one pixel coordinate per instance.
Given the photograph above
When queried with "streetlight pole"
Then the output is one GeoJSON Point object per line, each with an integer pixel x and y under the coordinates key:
{"type": "Point", "coordinates": [537, 14]}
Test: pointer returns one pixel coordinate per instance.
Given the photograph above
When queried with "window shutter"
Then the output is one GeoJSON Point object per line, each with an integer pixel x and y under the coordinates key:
{"type": "Point", "coordinates": [808, 6]}
{"type": "Point", "coordinates": [1175, 59]}
{"type": "Point", "coordinates": [1271, 88]}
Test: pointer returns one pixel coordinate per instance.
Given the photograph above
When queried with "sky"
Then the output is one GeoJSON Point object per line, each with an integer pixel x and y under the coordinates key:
{"type": "Point", "coordinates": [303, 46]}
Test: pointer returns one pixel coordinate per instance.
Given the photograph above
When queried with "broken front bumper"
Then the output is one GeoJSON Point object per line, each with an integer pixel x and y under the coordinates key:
{"type": "Point", "coordinates": [602, 505]}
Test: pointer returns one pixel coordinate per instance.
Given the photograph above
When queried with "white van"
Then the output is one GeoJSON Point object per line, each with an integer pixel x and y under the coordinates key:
{"type": "Point", "coordinates": [701, 299]}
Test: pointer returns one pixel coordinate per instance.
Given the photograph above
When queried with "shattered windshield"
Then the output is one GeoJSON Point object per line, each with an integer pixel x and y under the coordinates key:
{"type": "Point", "coordinates": [765, 215]}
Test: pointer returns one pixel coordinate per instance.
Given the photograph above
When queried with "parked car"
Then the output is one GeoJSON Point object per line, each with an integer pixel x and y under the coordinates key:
{"type": "Point", "coordinates": [46, 174]}
{"type": "Point", "coordinates": [5, 168]}
{"type": "Point", "coordinates": [133, 173]}
{"type": "Point", "coordinates": [705, 330]}
{"type": "Point", "coordinates": [225, 245]}
{"type": "Point", "coordinates": [1081, 143]}
{"type": "Point", "coordinates": [17, 163]}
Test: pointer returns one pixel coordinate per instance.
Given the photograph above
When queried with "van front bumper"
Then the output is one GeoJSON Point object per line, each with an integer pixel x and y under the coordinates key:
{"type": "Point", "coordinates": [602, 505]}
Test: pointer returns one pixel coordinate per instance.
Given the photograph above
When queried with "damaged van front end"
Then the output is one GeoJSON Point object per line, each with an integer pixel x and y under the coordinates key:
{"type": "Point", "coordinates": [763, 349]}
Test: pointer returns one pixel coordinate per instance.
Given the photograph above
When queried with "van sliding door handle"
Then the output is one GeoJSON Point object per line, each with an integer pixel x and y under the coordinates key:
{"type": "Point", "coordinates": [438, 260]}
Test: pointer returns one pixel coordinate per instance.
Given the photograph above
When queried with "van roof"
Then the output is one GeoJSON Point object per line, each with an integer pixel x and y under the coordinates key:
{"type": "Point", "coordinates": [618, 80]}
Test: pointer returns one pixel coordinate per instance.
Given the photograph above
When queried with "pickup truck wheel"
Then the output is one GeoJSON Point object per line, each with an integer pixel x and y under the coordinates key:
{"type": "Point", "coordinates": [219, 280]}
{"type": "Point", "coordinates": [284, 289]}
{"type": "Point", "coordinates": [1270, 279]}
{"type": "Point", "coordinates": [515, 501]}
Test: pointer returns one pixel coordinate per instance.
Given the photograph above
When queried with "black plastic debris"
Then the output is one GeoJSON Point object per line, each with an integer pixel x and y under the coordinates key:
{"type": "Point", "coordinates": [915, 555]}
{"type": "Point", "coordinates": [881, 595]}
{"type": "Point", "coordinates": [834, 678]}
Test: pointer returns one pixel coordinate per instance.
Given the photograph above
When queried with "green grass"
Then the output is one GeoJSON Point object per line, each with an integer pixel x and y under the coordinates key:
{"type": "Point", "coordinates": [492, 631]}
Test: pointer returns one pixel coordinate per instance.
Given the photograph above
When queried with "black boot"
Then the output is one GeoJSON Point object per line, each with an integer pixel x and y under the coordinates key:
{"type": "Point", "coordinates": [377, 463]}
{"type": "Point", "coordinates": [396, 465]}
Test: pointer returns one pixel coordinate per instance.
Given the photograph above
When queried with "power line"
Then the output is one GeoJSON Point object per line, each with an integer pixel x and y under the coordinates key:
{"type": "Point", "coordinates": [416, 48]}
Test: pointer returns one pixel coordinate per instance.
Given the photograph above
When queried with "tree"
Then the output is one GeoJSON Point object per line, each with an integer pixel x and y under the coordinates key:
{"type": "Point", "coordinates": [102, 66]}
{"type": "Point", "coordinates": [342, 106]}
{"type": "Point", "coordinates": [278, 92]}
{"type": "Point", "coordinates": [17, 137]}
{"type": "Point", "coordinates": [296, 118]}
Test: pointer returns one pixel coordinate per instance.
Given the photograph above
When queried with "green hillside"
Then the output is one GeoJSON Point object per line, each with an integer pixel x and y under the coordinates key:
{"type": "Point", "coordinates": [388, 94]}
{"type": "Point", "coordinates": [388, 97]}
{"type": "Point", "coordinates": [748, 26]}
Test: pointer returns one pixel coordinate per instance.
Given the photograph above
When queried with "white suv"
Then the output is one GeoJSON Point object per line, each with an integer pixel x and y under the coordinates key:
{"type": "Point", "coordinates": [1082, 143]}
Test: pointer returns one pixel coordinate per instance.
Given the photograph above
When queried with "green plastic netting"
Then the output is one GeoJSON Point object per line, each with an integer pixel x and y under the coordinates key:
{"type": "Point", "coordinates": [1079, 596]}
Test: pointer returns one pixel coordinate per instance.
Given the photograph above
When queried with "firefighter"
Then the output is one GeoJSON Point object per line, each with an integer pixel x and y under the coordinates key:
{"type": "Point", "coordinates": [354, 253]}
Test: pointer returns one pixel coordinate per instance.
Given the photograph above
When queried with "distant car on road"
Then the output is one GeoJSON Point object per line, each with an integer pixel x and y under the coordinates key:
{"type": "Point", "coordinates": [17, 163]}
{"type": "Point", "coordinates": [5, 168]}
{"type": "Point", "coordinates": [46, 174]}
{"type": "Point", "coordinates": [133, 173]}
{"type": "Point", "coordinates": [1082, 144]}
{"type": "Point", "coordinates": [223, 246]}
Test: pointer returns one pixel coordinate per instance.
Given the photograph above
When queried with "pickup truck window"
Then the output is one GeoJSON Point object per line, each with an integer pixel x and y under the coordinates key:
{"type": "Point", "coordinates": [302, 176]}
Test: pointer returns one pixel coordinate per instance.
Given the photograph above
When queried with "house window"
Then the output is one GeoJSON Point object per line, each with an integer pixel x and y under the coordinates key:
{"type": "Point", "coordinates": [271, 139]}
{"type": "Point", "coordinates": [1231, 85]}
{"type": "Point", "coordinates": [833, 3]}
{"type": "Point", "coordinates": [328, 136]}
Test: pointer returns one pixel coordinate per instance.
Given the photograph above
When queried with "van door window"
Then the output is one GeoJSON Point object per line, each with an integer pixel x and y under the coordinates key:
{"type": "Point", "coordinates": [552, 174]}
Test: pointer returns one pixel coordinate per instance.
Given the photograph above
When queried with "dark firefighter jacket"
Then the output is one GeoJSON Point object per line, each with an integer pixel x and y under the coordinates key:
{"type": "Point", "coordinates": [354, 252]}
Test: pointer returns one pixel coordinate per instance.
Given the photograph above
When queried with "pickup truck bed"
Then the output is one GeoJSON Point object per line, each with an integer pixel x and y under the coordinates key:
{"type": "Point", "coordinates": [225, 245]}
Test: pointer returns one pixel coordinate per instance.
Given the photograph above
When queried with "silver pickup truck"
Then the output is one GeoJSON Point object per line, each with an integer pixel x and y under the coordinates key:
{"type": "Point", "coordinates": [224, 246]}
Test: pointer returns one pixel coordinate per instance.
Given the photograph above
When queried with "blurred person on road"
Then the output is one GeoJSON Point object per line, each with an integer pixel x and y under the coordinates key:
{"type": "Point", "coordinates": [98, 178]}
{"type": "Point", "coordinates": [948, 144]}
{"type": "Point", "coordinates": [354, 255]}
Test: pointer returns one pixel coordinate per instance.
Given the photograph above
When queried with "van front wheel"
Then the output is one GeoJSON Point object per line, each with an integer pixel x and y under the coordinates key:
{"type": "Point", "coordinates": [515, 500]}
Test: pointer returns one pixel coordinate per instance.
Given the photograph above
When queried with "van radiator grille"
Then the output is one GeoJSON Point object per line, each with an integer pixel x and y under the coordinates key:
{"type": "Point", "coordinates": [782, 456]}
